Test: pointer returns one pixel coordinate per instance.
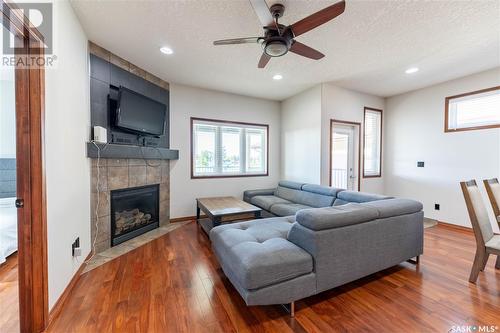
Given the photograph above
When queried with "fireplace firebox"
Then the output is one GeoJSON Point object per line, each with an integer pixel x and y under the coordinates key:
{"type": "Point", "coordinates": [134, 211]}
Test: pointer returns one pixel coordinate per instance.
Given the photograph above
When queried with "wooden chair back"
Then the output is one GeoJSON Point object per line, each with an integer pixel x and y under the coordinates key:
{"type": "Point", "coordinates": [478, 214]}
{"type": "Point", "coordinates": [493, 189]}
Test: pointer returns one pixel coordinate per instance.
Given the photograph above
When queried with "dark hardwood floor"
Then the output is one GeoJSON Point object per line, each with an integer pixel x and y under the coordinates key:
{"type": "Point", "coordinates": [9, 295]}
{"type": "Point", "coordinates": [174, 284]}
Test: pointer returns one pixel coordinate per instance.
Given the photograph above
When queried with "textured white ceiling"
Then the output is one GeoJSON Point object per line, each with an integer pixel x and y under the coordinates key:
{"type": "Point", "coordinates": [367, 48]}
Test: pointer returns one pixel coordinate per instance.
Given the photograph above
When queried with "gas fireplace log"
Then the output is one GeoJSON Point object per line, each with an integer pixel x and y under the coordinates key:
{"type": "Point", "coordinates": [129, 219]}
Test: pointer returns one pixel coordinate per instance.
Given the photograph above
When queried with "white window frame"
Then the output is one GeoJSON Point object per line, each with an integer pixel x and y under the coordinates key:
{"type": "Point", "coordinates": [245, 128]}
{"type": "Point", "coordinates": [451, 125]}
{"type": "Point", "coordinates": [378, 173]}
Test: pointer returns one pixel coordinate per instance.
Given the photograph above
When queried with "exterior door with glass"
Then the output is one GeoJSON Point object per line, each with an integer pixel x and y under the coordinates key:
{"type": "Point", "coordinates": [344, 155]}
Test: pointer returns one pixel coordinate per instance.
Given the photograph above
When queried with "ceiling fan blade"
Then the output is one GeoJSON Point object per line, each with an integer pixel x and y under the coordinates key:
{"type": "Point", "coordinates": [305, 51]}
{"type": "Point", "coordinates": [231, 41]}
{"type": "Point", "coordinates": [264, 59]}
{"type": "Point", "coordinates": [262, 10]}
{"type": "Point", "coordinates": [318, 18]}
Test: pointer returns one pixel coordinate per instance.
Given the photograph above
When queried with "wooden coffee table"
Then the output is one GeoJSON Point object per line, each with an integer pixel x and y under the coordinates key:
{"type": "Point", "coordinates": [224, 209]}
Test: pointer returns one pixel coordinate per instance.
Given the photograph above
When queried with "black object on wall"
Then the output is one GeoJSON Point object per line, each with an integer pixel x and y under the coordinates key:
{"type": "Point", "coordinates": [105, 80]}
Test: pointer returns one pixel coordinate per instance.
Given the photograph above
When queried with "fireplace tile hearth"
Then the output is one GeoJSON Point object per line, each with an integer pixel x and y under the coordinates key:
{"type": "Point", "coordinates": [116, 251]}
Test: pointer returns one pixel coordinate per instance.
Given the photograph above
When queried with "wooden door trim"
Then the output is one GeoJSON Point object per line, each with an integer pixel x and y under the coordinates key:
{"type": "Point", "coordinates": [332, 121]}
{"type": "Point", "coordinates": [30, 169]}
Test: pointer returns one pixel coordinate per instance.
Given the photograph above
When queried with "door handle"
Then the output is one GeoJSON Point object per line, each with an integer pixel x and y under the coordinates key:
{"type": "Point", "coordinates": [19, 203]}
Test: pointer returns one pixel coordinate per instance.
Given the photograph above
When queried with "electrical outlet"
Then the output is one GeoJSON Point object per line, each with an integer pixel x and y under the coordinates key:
{"type": "Point", "coordinates": [436, 207]}
{"type": "Point", "coordinates": [75, 245]}
{"type": "Point", "coordinates": [420, 164]}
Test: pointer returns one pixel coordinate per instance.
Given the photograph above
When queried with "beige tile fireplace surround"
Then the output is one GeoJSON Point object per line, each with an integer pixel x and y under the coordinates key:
{"type": "Point", "coordinates": [117, 174]}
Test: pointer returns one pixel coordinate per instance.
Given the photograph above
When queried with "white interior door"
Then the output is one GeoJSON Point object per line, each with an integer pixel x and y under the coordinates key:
{"type": "Point", "coordinates": [344, 157]}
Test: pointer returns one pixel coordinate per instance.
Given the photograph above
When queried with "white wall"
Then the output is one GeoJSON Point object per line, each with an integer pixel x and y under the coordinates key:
{"type": "Point", "coordinates": [301, 137]}
{"type": "Point", "coordinates": [347, 105]}
{"type": "Point", "coordinates": [67, 122]}
{"type": "Point", "coordinates": [414, 131]}
{"type": "Point", "coordinates": [187, 102]}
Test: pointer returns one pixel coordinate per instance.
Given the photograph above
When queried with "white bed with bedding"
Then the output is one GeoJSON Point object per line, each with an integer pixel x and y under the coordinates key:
{"type": "Point", "coordinates": [8, 228]}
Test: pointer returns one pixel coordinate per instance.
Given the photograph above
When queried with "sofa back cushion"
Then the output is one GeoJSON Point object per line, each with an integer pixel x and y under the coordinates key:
{"type": "Point", "coordinates": [290, 184]}
{"type": "Point", "coordinates": [335, 217]}
{"type": "Point", "coordinates": [344, 197]}
{"type": "Point", "coordinates": [304, 197]}
{"type": "Point", "coordinates": [394, 207]}
{"type": "Point", "coordinates": [323, 190]}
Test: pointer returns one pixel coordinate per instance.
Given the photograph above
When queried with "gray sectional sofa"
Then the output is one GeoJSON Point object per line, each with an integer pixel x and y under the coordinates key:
{"type": "Point", "coordinates": [290, 197]}
{"type": "Point", "coordinates": [279, 260]}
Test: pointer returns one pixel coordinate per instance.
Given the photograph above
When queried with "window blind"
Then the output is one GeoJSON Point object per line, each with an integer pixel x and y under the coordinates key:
{"type": "Point", "coordinates": [228, 149]}
{"type": "Point", "coordinates": [372, 142]}
{"type": "Point", "coordinates": [474, 110]}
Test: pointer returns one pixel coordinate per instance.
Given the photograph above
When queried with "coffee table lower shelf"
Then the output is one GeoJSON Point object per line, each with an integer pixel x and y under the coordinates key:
{"type": "Point", "coordinates": [220, 210]}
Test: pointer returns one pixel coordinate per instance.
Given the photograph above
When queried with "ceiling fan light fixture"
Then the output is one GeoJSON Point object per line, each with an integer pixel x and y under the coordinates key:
{"type": "Point", "coordinates": [275, 48]}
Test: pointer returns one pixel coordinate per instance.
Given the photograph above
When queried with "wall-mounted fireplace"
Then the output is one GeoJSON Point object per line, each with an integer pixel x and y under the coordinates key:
{"type": "Point", "coordinates": [134, 211]}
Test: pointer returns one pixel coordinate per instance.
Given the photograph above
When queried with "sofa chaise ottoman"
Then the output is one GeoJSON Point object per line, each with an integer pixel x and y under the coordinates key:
{"type": "Point", "coordinates": [279, 260]}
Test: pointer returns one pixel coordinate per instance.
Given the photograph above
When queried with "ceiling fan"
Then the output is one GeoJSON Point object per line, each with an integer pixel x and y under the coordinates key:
{"type": "Point", "coordinates": [279, 39]}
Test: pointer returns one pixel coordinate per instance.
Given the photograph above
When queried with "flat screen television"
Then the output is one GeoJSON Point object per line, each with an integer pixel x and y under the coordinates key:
{"type": "Point", "coordinates": [139, 114]}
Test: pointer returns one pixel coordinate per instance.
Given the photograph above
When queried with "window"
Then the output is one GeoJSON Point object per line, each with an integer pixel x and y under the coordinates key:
{"type": "Point", "coordinates": [474, 110]}
{"type": "Point", "coordinates": [372, 143]}
{"type": "Point", "coordinates": [228, 149]}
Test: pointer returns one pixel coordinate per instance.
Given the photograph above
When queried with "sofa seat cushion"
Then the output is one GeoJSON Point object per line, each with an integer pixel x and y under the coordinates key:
{"type": "Point", "coordinates": [258, 230]}
{"type": "Point", "coordinates": [266, 201]}
{"type": "Point", "coordinates": [258, 253]}
{"type": "Point", "coordinates": [287, 209]}
{"type": "Point", "coordinates": [336, 217]}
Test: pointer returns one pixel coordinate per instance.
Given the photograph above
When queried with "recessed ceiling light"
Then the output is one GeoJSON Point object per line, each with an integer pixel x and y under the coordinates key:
{"type": "Point", "coordinates": [411, 70]}
{"type": "Point", "coordinates": [277, 77]}
{"type": "Point", "coordinates": [166, 50]}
